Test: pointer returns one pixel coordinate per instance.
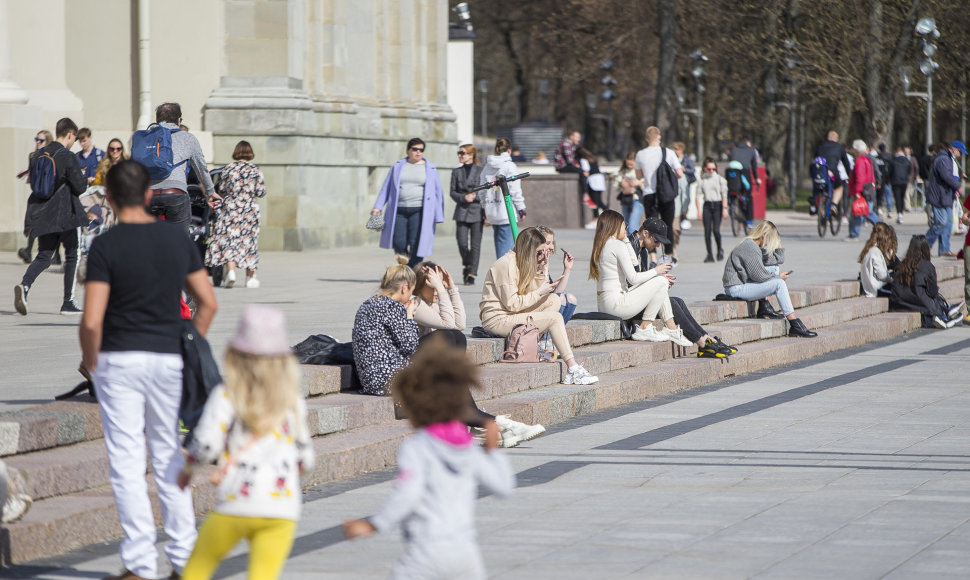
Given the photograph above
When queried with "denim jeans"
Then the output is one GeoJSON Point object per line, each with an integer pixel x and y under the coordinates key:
{"type": "Point", "coordinates": [940, 230]}
{"type": "Point", "coordinates": [503, 239]}
{"type": "Point", "coordinates": [407, 231]}
{"type": "Point", "coordinates": [757, 291]}
{"type": "Point", "coordinates": [632, 214]}
{"type": "Point", "coordinates": [567, 310]}
{"type": "Point", "coordinates": [855, 223]}
{"type": "Point", "coordinates": [176, 208]}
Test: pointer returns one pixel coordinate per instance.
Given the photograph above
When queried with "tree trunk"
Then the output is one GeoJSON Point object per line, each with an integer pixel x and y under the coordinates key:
{"type": "Point", "coordinates": [666, 14]}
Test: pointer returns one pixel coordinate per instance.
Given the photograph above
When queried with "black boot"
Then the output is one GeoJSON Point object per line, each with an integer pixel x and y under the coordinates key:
{"type": "Point", "coordinates": [798, 328]}
{"type": "Point", "coordinates": [766, 311]}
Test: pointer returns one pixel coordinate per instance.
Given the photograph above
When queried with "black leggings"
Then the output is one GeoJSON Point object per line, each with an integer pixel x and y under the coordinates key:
{"type": "Point", "coordinates": [597, 197]}
{"type": "Point", "coordinates": [682, 316]}
{"type": "Point", "coordinates": [899, 195]}
{"type": "Point", "coordinates": [712, 224]}
{"type": "Point", "coordinates": [476, 417]}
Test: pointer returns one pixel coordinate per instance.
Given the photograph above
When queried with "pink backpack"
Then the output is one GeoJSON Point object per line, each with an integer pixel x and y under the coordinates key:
{"type": "Point", "coordinates": [522, 344]}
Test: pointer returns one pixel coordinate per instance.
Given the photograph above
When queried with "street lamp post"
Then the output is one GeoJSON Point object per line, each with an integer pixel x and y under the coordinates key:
{"type": "Point", "coordinates": [926, 29]}
{"type": "Point", "coordinates": [790, 63]}
{"type": "Point", "coordinates": [698, 73]}
{"type": "Point", "coordinates": [483, 89]}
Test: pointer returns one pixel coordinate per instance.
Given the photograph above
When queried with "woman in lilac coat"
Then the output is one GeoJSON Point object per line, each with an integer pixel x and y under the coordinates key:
{"type": "Point", "coordinates": [414, 203]}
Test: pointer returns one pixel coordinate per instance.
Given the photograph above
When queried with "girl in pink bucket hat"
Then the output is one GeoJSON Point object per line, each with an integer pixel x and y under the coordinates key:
{"type": "Point", "coordinates": [255, 425]}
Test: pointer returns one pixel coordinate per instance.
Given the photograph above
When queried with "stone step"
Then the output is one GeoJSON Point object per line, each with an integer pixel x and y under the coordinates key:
{"type": "Point", "coordinates": [342, 411]}
{"type": "Point", "coordinates": [67, 522]}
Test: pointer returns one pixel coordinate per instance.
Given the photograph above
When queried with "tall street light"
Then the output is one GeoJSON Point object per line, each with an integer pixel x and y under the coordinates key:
{"type": "Point", "coordinates": [927, 31]}
{"type": "Point", "coordinates": [698, 73]}
{"type": "Point", "coordinates": [483, 89]}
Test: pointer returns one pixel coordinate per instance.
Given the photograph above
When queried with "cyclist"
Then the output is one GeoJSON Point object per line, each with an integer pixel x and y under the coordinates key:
{"type": "Point", "coordinates": [834, 152]}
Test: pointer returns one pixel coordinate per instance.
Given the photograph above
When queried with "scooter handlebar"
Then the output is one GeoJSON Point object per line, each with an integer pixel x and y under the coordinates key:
{"type": "Point", "coordinates": [491, 184]}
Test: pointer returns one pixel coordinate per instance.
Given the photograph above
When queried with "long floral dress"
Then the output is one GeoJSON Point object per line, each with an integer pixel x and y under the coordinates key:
{"type": "Point", "coordinates": [237, 225]}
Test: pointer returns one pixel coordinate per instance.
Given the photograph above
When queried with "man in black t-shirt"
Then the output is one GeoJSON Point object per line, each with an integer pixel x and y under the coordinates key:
{"type": "Point", "coordinates": [834, 153]}
{"type": "Point", "coordinates": [131, 342]}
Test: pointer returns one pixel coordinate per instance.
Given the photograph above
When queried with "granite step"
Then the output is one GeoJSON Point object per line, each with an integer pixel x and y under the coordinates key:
{"type": "Point", "coordinates": [67, 522]}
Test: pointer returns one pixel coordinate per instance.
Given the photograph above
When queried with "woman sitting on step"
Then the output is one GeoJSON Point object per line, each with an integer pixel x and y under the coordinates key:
{"type": "Point", "coordinates": [915, 288]}
{"type": "Point", "coordinates": [624, 292]}
{"type": "Point", "coordinates": [386, 336]}
{"type": "Point", "coordinates": [876, 259]}
{"type": "Point", "coordinates": [513, 293]}
{"type": "Point", "coordinates": [751, 272]}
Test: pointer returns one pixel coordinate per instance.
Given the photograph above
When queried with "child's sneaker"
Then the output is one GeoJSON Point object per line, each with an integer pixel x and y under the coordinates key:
{"type": "Point", "coordinates": [579, 376]}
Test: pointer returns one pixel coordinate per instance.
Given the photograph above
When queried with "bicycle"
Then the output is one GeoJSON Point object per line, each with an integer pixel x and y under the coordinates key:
{"type": "Point", "coordinates": [831, 217]}
{"type": "Point", "coordinates": [737, 213]}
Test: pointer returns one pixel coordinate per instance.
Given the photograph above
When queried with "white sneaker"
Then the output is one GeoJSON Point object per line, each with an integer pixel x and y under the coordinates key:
{"type": "Point", "coordinates": [954, 311]}
{"type": "Point", "coordinates": [15, 507]}
{"type": "Point", "coordinates": [578, 375]}
{"type": "Point", "coordinates": [650, 333]}
{"type": "Point", "coordinates": [899, 218]}
{"type": "Point", "coordinates": [514, 432]}
{"type": "Point", "coordinates": [230, 279]}
{"type": "Point", "coordinates": [677, 336]}
{"type": "Point", "coordinates": [252, 282]}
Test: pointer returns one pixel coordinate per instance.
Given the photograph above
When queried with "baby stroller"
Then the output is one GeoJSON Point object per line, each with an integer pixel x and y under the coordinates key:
{"type": "Point", "coordinates": [203, 218]}
{"type": "Point", "coordinates": [100, 217]}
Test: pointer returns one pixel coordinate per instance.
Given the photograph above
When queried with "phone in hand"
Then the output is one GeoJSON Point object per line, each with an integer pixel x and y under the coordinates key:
{"type": "Point", "coordinates": [790, 272]}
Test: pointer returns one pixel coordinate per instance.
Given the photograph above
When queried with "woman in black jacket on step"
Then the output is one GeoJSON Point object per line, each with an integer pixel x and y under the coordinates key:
{"type": "Point", "coordinates": [915, 288]}
{"type": "Point", "coordinates": [468, 211]}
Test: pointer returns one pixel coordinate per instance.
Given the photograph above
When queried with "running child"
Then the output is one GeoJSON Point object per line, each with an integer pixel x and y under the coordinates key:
{"type": "Point", "coordinates": [439, 471]}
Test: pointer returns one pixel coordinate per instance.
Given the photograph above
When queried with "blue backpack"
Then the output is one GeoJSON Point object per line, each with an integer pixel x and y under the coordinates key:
{"type": "Point", "coordinates": [152, 148]}
{"type": "Point", "coordinates": [43, 175]}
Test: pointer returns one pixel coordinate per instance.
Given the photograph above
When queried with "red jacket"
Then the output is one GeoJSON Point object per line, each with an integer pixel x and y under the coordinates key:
{"type": "Point", "coordinates": [861, 175]}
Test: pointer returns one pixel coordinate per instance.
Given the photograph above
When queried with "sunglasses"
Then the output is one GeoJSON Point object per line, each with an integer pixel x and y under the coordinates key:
{"type": "Point", "coordinates": [463, 153]}
{"type": "Point", "coordinates": [418, 149]}
{"type": "Point", "coordinates": [39, 140]}
{"type": "Point", "coordinates": [114, 149]}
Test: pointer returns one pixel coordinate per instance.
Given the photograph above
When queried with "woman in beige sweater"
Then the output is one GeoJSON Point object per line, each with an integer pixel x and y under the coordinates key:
{"type": "Point", "coordinates": [512, 294]}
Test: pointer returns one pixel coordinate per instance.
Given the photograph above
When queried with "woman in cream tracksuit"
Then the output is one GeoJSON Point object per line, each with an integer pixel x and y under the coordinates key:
{"type": "Point", "coordinates": [494, 203]}
{"type": "Point", "coordinates": [612, 265]}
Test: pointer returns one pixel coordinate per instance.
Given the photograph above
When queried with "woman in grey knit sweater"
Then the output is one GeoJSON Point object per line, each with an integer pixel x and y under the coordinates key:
{"type": "Point", "coordinates": [752, 273]}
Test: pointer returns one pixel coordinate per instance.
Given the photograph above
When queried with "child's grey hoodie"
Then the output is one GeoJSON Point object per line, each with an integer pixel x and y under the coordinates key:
{"type": "Point", "coordinates": [437, 485]}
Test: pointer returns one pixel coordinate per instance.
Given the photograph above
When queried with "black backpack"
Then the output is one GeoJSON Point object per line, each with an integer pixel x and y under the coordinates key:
{"type": "Point", "coordinates": [43, 174]}
{"type": "Point", "coordinates": [666, 187]}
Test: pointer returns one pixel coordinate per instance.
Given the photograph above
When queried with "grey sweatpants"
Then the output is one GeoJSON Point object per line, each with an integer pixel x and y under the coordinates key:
{"type": "Point", "coordinates": [439, 561]}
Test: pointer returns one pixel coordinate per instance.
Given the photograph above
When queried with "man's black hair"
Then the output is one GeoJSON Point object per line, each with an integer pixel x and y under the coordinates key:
{"type": "Point", "coordinates": [127, 182]}
{"type": "Point", "coordinates": [64, 127]}
{"type": "Point", "coordinates": [168, 113]}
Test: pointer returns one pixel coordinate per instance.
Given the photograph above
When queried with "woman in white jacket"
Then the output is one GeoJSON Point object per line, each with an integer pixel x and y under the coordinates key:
{"type": "Point", "coordinates": [624, 292]}
{"type": "Point", "coordinates": [492, 201]}
{"type": "Point", "coordinates": [876, 255]}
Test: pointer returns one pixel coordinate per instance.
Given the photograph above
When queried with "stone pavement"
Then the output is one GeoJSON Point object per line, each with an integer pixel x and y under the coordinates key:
{"type": "Point", "coordinates": [850, 466]}
{"type": "Point", "coordinates": [321, 290]}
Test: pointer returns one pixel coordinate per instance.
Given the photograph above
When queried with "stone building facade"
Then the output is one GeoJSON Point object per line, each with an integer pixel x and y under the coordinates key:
{"type": "Point", "coordinates": [328, 92]}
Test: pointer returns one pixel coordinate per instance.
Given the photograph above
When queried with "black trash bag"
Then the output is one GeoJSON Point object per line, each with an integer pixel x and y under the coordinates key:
{"type": "Point", "coordinates": [627, 327]}
{"type": "Point", "coordinates": [323, 349]}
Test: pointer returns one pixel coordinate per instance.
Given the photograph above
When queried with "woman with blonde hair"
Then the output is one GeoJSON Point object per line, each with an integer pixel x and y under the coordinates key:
{"type": "Point", "coordinates": [385, 334]}
{"type": "Point", "coordinates": [752, 272]}
{"type": "Point", "coordinates": [624, 292]}
{"type": "Point", "coordinates": [876, 257]}
{"type": "Point", "coordinates": [255, 425]}
{"type": "Point", "coordinates": [115, 154]}
{"type": "Point", "coordinates": [515, 290]}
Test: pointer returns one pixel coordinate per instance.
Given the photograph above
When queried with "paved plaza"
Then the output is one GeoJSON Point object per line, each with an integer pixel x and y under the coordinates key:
{"type": "Point", "coordinates": [852, 466]}
{"type": "Point", "coordinates": [320, 291]}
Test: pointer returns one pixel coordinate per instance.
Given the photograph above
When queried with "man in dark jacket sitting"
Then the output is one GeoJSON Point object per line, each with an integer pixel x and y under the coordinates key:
{"type": "Point", "coordinates": [54, 218]}
{"type": "Point", "coordinates": [940, 191]}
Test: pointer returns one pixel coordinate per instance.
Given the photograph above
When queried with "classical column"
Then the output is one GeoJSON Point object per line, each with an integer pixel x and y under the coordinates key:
{"type": "Point", "coordinates": [145, 116]}
{"type": "Point", "coordinates": [10, 91]}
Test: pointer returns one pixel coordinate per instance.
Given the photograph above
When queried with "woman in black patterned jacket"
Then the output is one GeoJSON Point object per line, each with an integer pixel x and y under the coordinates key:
{"type": "Point", "coordinates": [468, 211]}
{"type": "Point", "coordinates": [385, 334]}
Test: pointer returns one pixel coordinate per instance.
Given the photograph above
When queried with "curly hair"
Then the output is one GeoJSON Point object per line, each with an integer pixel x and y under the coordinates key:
{"type": "Point", "coordinates": [433, 388]}
{"type": "Point", "coordinates": [883, 237]}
